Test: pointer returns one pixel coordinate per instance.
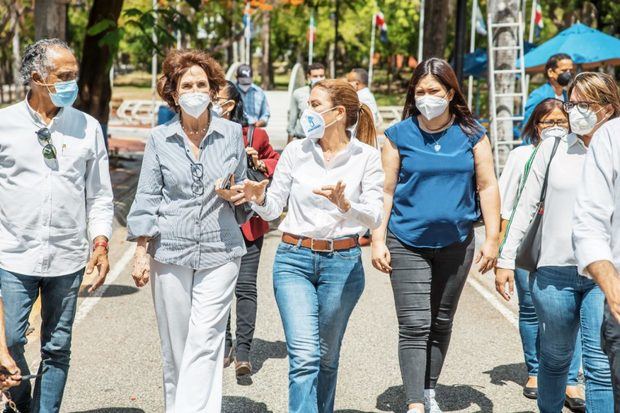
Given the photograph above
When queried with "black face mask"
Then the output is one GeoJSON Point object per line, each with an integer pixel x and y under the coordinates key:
{"type": "Point", "coordinates": [564, 78]}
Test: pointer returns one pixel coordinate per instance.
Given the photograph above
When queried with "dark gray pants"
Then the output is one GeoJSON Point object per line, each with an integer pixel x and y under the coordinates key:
{"type": "Point", "coordinates": [245, 291]}
{"type": "Point", "coordinates": [427, 284]}
{"type": "Point", "coordinates": [610, 342]}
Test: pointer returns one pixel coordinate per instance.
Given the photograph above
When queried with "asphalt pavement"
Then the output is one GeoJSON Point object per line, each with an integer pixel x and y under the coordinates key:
{"type": "Point", "coordinates": [116, 364]}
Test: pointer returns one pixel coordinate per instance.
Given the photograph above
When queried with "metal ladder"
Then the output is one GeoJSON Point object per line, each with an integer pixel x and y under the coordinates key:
{"type": "Point", "coordinates": [520, 82]}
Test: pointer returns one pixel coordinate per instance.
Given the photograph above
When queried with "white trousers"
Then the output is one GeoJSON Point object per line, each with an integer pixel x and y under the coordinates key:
{"type": "Point", "coordinates": [192, 309]}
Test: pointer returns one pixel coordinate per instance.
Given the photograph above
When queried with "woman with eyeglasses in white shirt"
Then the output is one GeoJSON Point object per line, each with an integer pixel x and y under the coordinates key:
{"type": "Point", "coordinates": [333, 181]}
{"type": "Point", "coordinates": [564, 300]}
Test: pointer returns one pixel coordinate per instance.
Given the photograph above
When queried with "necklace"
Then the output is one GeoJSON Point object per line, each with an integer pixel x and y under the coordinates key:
{"type": "Point", "coordinates": [194, 132]}
{"type": "Point", "coordinates": [443, 130]}
{"type": "Point", "coordinates": [437, 146]}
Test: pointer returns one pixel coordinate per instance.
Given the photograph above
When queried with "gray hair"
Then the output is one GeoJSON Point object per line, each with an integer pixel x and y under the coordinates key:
{"type": "Point", "coordinates": [36, 58]}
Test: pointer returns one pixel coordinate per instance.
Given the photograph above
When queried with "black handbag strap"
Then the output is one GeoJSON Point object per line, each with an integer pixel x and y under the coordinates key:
{"type": "Point", "coordinates": [543, 193]}
{"type": "Point", "coordinates": [250, 135]}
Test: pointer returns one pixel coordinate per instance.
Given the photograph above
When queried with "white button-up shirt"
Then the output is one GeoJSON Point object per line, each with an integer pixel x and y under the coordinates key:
{"type": "Point", "coordinates": [596, 224]}
{"type": "Point", "coordinates": [564, 173]}
{"type": "Point", "coordinates": [49, 209]}
{"type": "Point", "coordinates": [302, 169]}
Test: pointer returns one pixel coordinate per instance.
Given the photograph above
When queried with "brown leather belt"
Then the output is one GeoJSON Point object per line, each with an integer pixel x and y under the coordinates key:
{"type": "Point", "coordinates": [321, 245]}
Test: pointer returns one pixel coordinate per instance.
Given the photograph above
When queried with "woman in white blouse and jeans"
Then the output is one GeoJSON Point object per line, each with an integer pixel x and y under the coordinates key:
{"type": "Point", "coordinates": [333, 183]}
{"type": "Point", "coordinates": [547, 120]}
{"type": "Point", "coordinates": [564, 300]}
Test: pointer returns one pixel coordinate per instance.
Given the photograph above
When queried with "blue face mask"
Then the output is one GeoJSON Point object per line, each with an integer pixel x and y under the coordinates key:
{"type": "Point", "coordinates": [66, 93]}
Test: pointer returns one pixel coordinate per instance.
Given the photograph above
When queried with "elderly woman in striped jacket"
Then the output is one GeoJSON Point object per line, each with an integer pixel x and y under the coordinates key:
{"type": "Point", "coordinates": [187, 230]}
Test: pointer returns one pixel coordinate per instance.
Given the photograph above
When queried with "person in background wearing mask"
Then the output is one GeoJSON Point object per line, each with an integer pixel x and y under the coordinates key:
{"type": "Point", "coordinates": [564, 300]}
{"type": "Point", "coordinates": [595, 111]}
{"type": "Point", "coordinates": [299, 101]}
{"type": "Point", "coordinates": [184, 213]}
{"type": "Point", "coordinates": [56, 203]}
{"type": "Point", "coordinates": [358, 78]}
{"type": "Point", "coordinates": [434, 160]}
{"type": "Point", "coordinates": [332, 183]}
{"type": "Point", "coordinates": [548, 120]}
{"type": "Point", "coordinates": [264, 159]}
{"type": "Point", "coordinates": [559, 72]}
{"type": "Point", "coordinates": [254, 99]}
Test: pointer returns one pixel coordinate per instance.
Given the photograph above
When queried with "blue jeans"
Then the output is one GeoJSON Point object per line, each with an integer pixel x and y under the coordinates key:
{"type": "Point", "coordinates": [58, 305]}
{"type": "Point", "coordinates": [316, 293]}
{"type": "Point", "coordinates": [528, 328]}
{"type": "Point", "coordinates": [565, 301]}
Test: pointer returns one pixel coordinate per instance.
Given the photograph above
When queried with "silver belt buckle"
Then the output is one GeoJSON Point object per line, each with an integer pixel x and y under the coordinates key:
{"type": "Point", "coordinates": [330, 249]}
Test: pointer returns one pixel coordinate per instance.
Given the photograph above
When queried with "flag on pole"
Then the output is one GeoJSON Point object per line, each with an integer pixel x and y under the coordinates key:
{"type": "Point", "coordinates": [380, 23]}
{"type": "Point", "coordinates": [481, 28]}
{"type": "Point", "coordinates": [247, 21]}
{"type": "Point", "coordinates": [538, 20]}
{"type": "Point", "coordinates": [311, 35]}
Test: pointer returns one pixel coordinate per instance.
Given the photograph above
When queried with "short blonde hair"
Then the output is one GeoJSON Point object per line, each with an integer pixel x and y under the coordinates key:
{"type": "Point", "coordinates": [597, 87]}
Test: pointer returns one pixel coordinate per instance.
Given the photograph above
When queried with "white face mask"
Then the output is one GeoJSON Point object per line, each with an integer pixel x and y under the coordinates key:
{"type": "Point", "coordinates": [313, 123]}
{"type": "Point", "coordinates": [245, 88]}
{"type": "Point", "coordinates": [316, 80]}
{"type": "Point", "coordinates": [582, 123]}
{"type": "Point", "coordinates": [217, 109]}
{"type": "Point", "coordinates": [553, 132]}
{"type": "Point", "coordinates": [194, 104]}
{"type": "Point", "coordinates": [431, 106]}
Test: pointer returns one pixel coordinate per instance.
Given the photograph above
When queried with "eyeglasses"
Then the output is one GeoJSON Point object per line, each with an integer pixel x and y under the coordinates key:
{"type": "Point", "coordinates": [198, 187]}
{"type": "Point", "coordinates": [581, 106]}
{"type": "Point", "coordinates": [45, 139]}
{"type": "Point", "coordinates": [549, 123]}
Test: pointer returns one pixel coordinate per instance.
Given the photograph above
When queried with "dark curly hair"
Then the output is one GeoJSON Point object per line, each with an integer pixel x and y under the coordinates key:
{"type": "Point", "coordinates": [177, 62]}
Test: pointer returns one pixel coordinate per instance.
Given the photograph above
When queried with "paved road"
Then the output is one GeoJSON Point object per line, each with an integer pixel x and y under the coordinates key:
{"type": "Point", "coordinates": [116, 358]}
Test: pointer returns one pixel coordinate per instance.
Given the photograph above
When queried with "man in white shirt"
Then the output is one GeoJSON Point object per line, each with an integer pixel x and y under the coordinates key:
{"type": "Point", "coordinates": [299, 101]}
{"type": "Point", "coordinates": [56, 202]}
{"type": "Point", "coordinates": [596, 234]}
{"type": "Point", "coordinates": [358, 78]}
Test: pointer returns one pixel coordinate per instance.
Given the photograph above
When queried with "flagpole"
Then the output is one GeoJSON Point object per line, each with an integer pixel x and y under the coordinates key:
{"type": "Point", "coordinates": [421, 32]}
{"type": "Point", "coordinates": [154, 69]}
{"type": "Point", "coordinates": [472, 48]}
{"type": "Point", "coordinates": [532, 19]}
{"type": "Point", "coordinates": [372, 48]}
{"type": "Point", "coordinates": [531, 40]}
{"type": "Point", "coordinates": [311, 39]}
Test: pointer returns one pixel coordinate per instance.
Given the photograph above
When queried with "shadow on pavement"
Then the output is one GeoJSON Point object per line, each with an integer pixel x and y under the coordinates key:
{"type": "Point", "coordinates": [112, 410]}
{"type": "Point", "coordinates": [350, 411]}
{"type": "Point", "coordinates": [235, 404]}
{"type": "Point", "coordinates": [113, 290]}
{"type": "Point", "coordinates": [501, 375]}
{"type": "Point", "coordinates": [450, 398]}
{"type": "Point", "coordinates": [264, 350]}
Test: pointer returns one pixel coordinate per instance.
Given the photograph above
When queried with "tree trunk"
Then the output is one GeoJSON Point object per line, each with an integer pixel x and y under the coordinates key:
{"type": "Point", "coordinates": [504, 11]}
{"type": "Point", "coordinates": [95, 90]}
{"type": "Point", "coordinates": [265, 60]}
{"type": "Point", "coordinates": [50, 19]}
{"type": "Point", "coordinates": [435, 28]}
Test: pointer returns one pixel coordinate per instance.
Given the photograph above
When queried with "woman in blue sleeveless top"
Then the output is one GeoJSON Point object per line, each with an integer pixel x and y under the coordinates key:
{"type": "Point", "coordinates": [435, 161]}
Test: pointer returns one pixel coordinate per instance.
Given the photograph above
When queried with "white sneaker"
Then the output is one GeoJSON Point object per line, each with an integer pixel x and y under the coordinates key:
{"type": "Point", "coordinates": [430, 404]}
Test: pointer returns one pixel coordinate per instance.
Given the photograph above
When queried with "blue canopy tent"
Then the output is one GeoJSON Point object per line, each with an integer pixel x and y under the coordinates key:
{"type": "Point", "coordinates": [588, 47]}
